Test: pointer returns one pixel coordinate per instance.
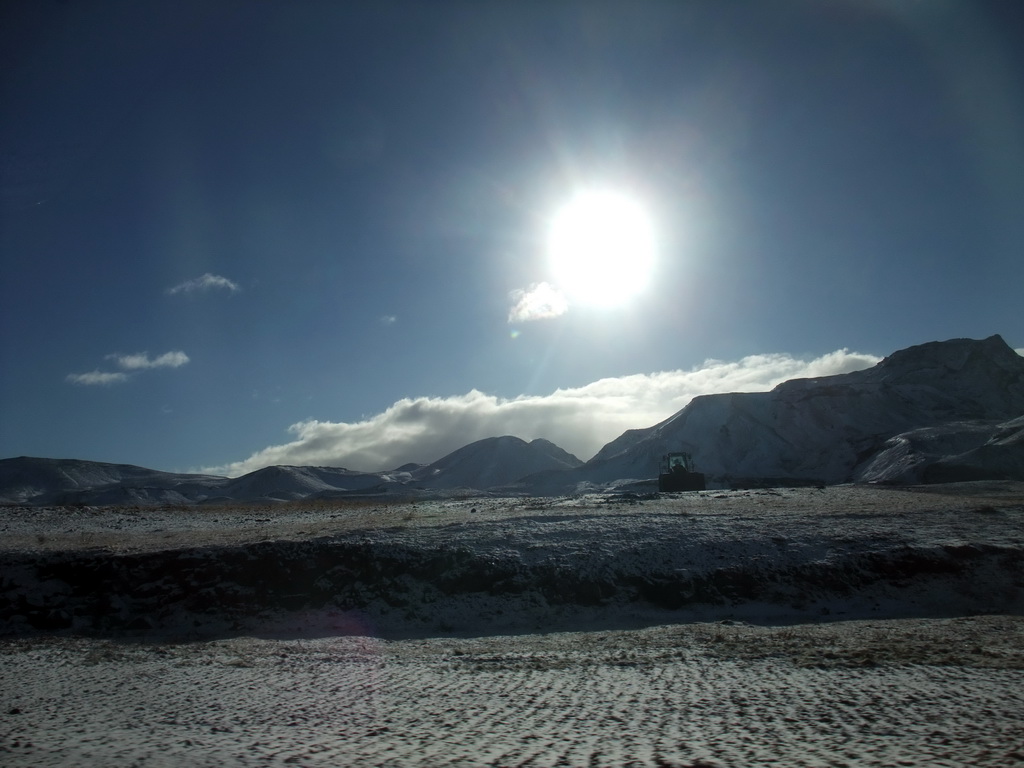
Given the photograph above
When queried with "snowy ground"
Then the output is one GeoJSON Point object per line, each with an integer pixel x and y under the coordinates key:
{"type": "Point", "coordinates": [715, 682]}
{"type": "Point", "coordinates": [885, 693]}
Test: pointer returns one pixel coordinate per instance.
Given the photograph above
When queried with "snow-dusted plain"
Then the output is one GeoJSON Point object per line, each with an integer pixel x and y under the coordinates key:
{"type": "Point", "coordinates": [904, 693]}
{"type": "Point", "coordinates": [842, 626]}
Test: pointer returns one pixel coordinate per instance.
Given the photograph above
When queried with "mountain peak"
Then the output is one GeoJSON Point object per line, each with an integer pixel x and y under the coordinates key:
{"type": "Point", "coordinates": [922, 360]}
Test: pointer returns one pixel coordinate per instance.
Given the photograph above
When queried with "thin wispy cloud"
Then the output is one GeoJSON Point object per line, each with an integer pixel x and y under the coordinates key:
{"type": "Point", "coordinates": [142, 360]}
{"type": "Point", "coordinates": [540, 301]}
{"type": "Point", "coordinates": [424, 429]}
{"type": "Point", "coordinates": [205, 282]}
{"type": "Point", "coordinates": [388, 319]}
{"type": "Point", "coordinates": [129, 365]}
{"type": "Point", "coordinates": [97, 378]}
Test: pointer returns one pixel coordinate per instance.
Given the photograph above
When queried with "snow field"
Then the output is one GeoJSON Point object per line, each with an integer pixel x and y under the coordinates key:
{"type": "Point", "coordinates": [659, 697]}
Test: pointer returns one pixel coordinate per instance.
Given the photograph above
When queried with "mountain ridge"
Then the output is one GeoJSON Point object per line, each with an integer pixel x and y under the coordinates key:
{"type": "Point", "coordinates": [495, 461]}
{"type": "Point", "coordinates": [933, 412]}
{"type": "Point", "coordinates": [820, 430]}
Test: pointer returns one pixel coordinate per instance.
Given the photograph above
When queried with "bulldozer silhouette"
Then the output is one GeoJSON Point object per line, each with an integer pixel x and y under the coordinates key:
{"type": "Point", "coordinates": [677, 473]}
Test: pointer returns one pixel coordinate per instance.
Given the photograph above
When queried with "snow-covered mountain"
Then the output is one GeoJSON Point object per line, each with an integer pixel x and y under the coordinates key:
{"type": "Point", "coordinates": [965, 450]}
{"type": "Point", "coordinates": [939, 410]}
{"type": "Point", "coordinates": [285, 483]}
{"type": "Point", "coordinates": [494, 461]}
{"type": "Point", "coordinates": [28, 480]}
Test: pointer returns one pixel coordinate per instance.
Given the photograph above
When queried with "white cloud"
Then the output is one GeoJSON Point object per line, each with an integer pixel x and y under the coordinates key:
{"type": "Point", "coordinates": [388, 319]}
{"type": "Point", "coordinates": [539, 302]}
{"type": "Point", "coordinates": [204, 282]}
{"type": "Point", "coordinates": [141, 360]}
{"type": "Point", "coordinates": [97, 378]}
{"type": "Point", "coordinates": [131, 363]}
{"type": "Point", "coordinates": [1020, 351]}
{"type": "Point", "coordinates": [580, 420]}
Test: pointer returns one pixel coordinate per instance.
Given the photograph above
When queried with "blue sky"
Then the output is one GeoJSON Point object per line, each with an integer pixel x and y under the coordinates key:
{"type": "Point", "coordinates": [238, 233]}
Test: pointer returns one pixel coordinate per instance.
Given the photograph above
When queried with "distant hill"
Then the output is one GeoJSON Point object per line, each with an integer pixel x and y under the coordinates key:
{"type": "Point", "coordinates": [29, 480]}
{"type": "Point", "coordinates": [284, 483]}
{"type": "Point", "coordinates": [494, 461]}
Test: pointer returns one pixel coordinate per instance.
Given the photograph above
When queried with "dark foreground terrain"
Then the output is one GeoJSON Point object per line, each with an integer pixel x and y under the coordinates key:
{"type": "Point", "coordinates": [483, 565]}
{"type": "Point", "coordinates": [845, 626]}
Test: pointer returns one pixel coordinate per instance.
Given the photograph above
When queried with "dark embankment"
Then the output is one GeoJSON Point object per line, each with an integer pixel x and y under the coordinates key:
{"type": "Point", "coordinates": [426, 590]}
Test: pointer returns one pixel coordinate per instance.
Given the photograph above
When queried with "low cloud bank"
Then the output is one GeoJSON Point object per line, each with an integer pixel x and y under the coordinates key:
{"type": "Point", "coordinates": [580, 420]}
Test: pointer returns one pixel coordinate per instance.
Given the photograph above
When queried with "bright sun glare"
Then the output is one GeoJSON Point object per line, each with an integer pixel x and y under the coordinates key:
{"type": "Point", "coordinates": [601, 246]}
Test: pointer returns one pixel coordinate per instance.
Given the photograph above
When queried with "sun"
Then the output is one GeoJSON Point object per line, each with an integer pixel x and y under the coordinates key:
{"type": "Point", "coordinates": [601, 248]}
